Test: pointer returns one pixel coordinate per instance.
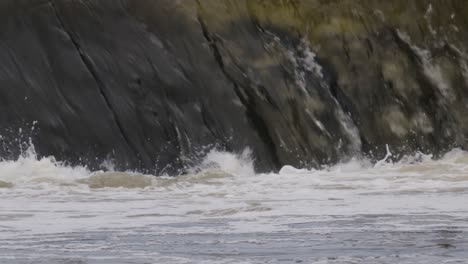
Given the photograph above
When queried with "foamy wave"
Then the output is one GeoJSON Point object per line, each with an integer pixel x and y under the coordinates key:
{"type": "Point", "coordinates": [418, 172]}
{"type": "Point", "coordinates": [230, 163]}
{"type": "Point", "coordinates": [28, 168]}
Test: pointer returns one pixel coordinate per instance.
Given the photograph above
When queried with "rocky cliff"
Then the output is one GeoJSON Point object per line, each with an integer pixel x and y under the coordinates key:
{"type": "Point", "coordinates": [153, 85]}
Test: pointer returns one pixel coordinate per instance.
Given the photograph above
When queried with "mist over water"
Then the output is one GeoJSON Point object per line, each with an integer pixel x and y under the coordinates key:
{"type": "Point", "coordinates": [413, 211]}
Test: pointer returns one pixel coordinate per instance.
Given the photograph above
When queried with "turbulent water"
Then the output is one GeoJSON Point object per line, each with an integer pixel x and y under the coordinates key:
{"type": "Point", "coordinates": [413, 211]}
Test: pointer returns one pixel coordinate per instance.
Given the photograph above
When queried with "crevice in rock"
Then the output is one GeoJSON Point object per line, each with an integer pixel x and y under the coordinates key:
{"type": "Point", "coordinates": [99, 83]}
{"type": "Point", "coordinates": [245, 97]}
{"type": "Point", "coordinates": [348, 121]}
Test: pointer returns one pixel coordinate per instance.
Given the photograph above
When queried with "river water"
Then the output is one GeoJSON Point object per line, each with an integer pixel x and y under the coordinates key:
{"type": "Point", "coordinates": [413, 211]}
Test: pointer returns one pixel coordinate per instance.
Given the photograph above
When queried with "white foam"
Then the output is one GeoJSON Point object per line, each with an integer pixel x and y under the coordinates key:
{"type": "Point", "coordinates": [28, 168]}
{"type": "Point", "coordinates": [48, 198]}
{"type": "Point", "coordinates": [241, 165]}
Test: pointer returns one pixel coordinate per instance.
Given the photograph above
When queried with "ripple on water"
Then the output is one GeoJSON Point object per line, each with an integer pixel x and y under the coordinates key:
{"type": "Point", "coordinates": [117, 180]}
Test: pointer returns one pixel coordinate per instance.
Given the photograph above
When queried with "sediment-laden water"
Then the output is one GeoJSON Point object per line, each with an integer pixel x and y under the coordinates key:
{"type": "Point", "coordinates": [413, 211]}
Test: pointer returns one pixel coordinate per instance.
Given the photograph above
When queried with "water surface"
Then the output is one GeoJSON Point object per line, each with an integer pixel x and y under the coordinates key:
{"type": "Point", "coordinates": [414, 211]}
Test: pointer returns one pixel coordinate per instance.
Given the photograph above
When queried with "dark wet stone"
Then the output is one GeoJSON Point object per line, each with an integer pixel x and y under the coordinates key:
{"type": "Point", "coordinates": [153, 85]}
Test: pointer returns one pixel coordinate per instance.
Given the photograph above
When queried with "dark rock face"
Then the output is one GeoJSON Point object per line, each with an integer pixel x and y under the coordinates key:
{"type": "Point", "coordinates": [153, 85]}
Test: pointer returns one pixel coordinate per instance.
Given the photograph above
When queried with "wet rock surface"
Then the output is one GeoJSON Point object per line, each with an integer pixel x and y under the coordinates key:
{"type": "Point", "coordinates": [154, 85]}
